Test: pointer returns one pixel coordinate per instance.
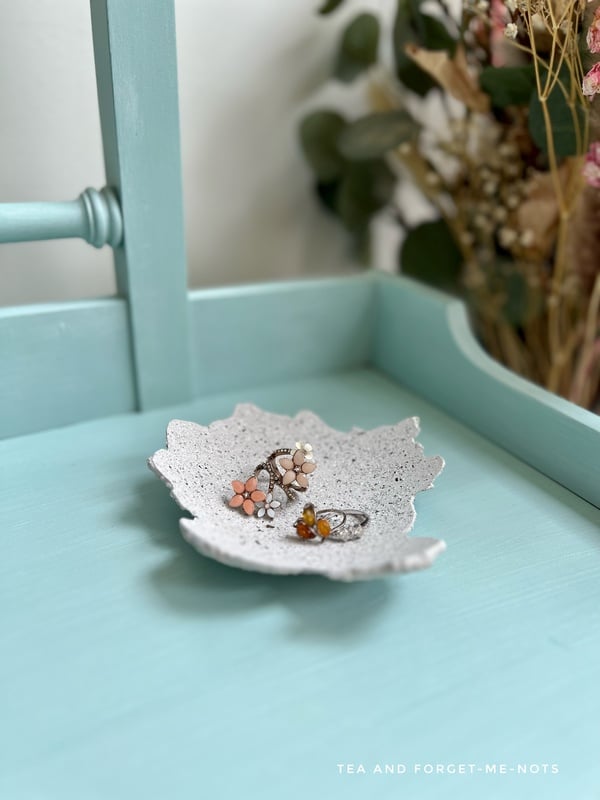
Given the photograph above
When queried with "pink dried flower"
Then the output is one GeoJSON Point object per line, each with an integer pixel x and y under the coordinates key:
{"type": "Point", "coordinates": [593, 34]}
{"type": "Point", "coordinates": [591, 82]}
{"type": "Point", "coordinates": [591, 168]}
{"type": "Point", "coordinates": [499, 19]}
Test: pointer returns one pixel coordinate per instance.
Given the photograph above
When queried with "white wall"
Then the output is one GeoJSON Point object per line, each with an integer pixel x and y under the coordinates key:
{"type": "Point", "coordinates": [246, 67]}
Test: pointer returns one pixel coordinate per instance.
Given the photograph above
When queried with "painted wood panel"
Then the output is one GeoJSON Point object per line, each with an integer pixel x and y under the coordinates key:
{"type": "Point", "coordinates": [63, 363]}
{"type": "Point", "coordinates": [136, 70]}
{"type": "Point", "coordinates": [133, 667]}
{"type": "Point", "coordinates": [95, 216]}
{"type": "Point", "coordinates": [423, 340]}
{"type": "Point", "coordinates": [265, 333]}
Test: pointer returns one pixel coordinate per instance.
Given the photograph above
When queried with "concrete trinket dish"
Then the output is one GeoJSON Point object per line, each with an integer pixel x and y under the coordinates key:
{"type": "Point", "coordinates": [378, 471]}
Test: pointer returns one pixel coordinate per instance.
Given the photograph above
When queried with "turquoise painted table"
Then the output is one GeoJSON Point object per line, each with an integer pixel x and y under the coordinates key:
{"type": "Point", "coordinates": [133, 667]}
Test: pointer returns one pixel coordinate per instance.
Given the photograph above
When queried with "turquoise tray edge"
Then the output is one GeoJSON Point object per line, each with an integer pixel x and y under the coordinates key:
{"type": "Point", "coordinates": [79, 353]}
{"type": "Point", "coordinates": [424, 340]}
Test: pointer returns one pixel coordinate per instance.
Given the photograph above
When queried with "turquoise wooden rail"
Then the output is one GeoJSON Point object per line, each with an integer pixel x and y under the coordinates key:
{"type": "Point", "coordinates": [130, 352]}
{"type": "Point", "coordinates": [95, 216]}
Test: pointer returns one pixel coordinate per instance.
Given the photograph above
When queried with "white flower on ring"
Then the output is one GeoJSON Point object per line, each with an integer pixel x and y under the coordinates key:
{"type": "Point", "coordinates": [306, 448]}
{"type": "Point", "coordinates": [268, 507]}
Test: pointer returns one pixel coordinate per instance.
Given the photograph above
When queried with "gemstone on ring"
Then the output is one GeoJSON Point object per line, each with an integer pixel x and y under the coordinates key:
{"type": "Point", "coordinates": [315, 523]}
{"type": "Point", "coordinates": [246, 495]}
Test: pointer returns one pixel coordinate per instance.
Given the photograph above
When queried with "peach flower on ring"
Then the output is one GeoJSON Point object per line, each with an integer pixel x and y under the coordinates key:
{"type": "Point", "coordinates": [297, 468]}
{"type": "Point", "coordinates": [246, 495]}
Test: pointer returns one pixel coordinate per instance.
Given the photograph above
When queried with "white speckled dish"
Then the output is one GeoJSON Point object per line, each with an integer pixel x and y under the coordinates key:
{"type": "Point", "coordinates": [379, 471]}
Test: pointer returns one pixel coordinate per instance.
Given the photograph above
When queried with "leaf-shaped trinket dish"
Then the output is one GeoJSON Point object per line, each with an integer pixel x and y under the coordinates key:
{"type": "Point", "coordinates": [378, 471]}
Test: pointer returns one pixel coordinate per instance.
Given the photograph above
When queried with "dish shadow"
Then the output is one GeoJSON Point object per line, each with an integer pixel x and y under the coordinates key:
{"type": "Point", "coordinates": [191, 583]}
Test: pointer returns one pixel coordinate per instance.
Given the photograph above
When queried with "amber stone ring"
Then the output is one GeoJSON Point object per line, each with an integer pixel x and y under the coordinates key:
{"type": "Point", "coordinates": [330, 523]}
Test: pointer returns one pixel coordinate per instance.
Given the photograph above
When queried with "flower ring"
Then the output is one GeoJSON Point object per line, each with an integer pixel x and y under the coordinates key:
{"type": "Point", "coordinates": [246, 495]}
{"type": "Point", "coordinates": [298, 467]}
{"type": "Point", "coordinates": [268, 507]}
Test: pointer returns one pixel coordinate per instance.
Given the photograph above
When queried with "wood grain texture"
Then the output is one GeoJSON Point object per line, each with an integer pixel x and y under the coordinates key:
{"type": "Point", "coordinates": [136, 70]}
{"type": "Point", "coordinates": [133, 667]}
{"type": "Point", "coordinates": [63, 363]}
{"type": "Point", "coordinates": [80, 353]}
{"type": "Point", "coordinates": [249, 335]}
{"type": "Point", "coordinates": [424, 340]}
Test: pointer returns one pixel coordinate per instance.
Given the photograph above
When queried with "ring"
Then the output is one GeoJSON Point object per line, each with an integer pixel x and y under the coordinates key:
{"type": "Point", "coordinates": [331, 523]}
{"type": "Point", "coordinates": [289, 468]}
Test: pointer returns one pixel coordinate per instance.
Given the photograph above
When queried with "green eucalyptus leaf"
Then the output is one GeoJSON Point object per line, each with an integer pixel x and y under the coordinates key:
{"type": "Point", "coordinates": [413, 27]}
{"type": "Point", "coordinates": [415, 17]}
{"type": "Point", "coordinates": [329, 6]}
{"type": "Point", "coordinates": [436, 36]}
{"type": "Point", "coordinates": [508, 86]}
{"type": "Point", "coordinates": [413, 77]}
{"type": "Point", "coordinates": [358, 48]}
{"type": "Point", "coordinates": [522, 303]}
{"type": "Point", "coordinates": [430, 254]}
{"type": "Point", "coordinates": [366, 187]}
{"type": "Point", "coordinates": [562, 120]}
{"type": "Point", "coordinates": [515, 307]}
{"type": "Point", "coordinates": [407, 71]}
{"type": "Point", "coordinates": [327, 193]}
{"type": "Point", "coordinates": [376, 134]}
{"type": "Point", "coordinates": [319, 135]}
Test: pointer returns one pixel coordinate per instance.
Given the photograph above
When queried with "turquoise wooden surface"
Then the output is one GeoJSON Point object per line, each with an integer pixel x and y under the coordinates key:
{"type": "Point", "coordinates": [79, 352]}
{"type": "Point", "coordinates": [133, 667]}
{"type": "Point", "coordinates": [249, 335]}
{"type": "Point", "coordinates": [418, 336]}
{"type": "Point", "coordinates": [63, 363]}
{"type": "Point", "coordinates": [134, 45]}
{"type": "Point", "coordinates": [95, 216]}
{"type": "Point", "coordinates": [423, 339]}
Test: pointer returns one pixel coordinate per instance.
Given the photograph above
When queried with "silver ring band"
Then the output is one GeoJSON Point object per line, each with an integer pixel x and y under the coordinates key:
{"type": "Point", "coordinates": [343, 531]}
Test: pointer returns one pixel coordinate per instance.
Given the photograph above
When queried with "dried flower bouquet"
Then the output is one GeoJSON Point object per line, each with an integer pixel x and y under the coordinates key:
{"type": "Point", "coordinates": [511, 168]}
